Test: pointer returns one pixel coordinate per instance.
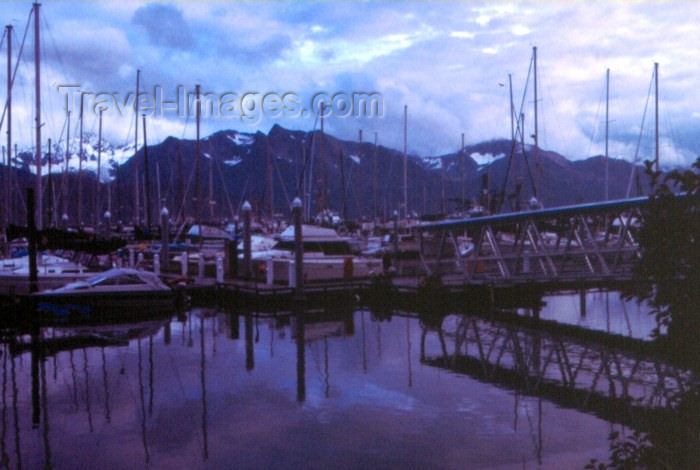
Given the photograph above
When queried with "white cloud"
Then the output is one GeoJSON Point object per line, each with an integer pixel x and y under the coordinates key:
{"type": "Point", "coordinates": [410, 52]}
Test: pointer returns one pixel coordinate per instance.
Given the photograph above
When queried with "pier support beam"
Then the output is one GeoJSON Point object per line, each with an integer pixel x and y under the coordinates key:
{"type": "Point", "coordinates": [247, 268]}
{"type": "Point", "coordinates": [184, 262]}
{"type": "Point", "coordinates": [219, 269]}
{"type": "Point", "coordinates": [396, 240]}
{"type": "Point", "coordinates": [165, 238]}
{"type": "Point", "coordinates": [298, 249]}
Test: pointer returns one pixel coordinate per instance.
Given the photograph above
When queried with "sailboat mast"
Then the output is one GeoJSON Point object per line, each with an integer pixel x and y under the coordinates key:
{"type": "Point", "coordinates": [197, 108]}
{"type": "Point", "coordinates": [656, 112]}
{"type": "Point", "coordinates": [80, 167]}
{"type": "Point", "coordinates": [342, 186]}
{"type": "Point", "coordinates": [538, 168]}
{"type": "Point", "coordinates": [321, 161]}
{"type": "Point", "coordinates": [269, 179]}
{"type": "Point", "coordinates": [136, 147]}
{"type": "Point", "coordinates": [50, 188]}
{"type": "Point", "coordinates": [461, 172]}
{"type": "Point", "coordinates": [160, 204]}
{"type": "Point", "coordinates": [37, 121]}
{"type": "Point", "coordinates": [211, 186]}
{"type": "Point", "coordinates": [607, 122]}
{"type": "Point", "coordinates": [375, 204]}
{"type": "Point", "coordinates": [405, 160]}
{"type": "Point", "coordinates": [180, 184]}
{"type": "Point", "coordinates": [64, 185]}
{"type": "Point", "coordinates": [8, 185]}
{"type": "Point", "coordinates": [146, 171]}
{"type": "Point", "coordinates": [98, 199]}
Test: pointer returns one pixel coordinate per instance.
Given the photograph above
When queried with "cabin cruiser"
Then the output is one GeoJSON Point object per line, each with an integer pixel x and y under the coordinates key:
{"type": "Point", "coordinates": [120, 290]}
{"type": "Point", "coordinates": [52, 272]}
{"type": "Point", "coordinates": [327, 257]}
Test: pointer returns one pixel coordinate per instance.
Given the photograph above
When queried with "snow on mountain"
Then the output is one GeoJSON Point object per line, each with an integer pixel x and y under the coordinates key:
{"type": "Point", "coordinates": [111, 157]}
{"type": "Point", "coordinates": [485, 159]}
{"type": "Point", "coordinates": [432, 163]}
{"type": "Point", "coordinates": [234, 161]}
{"type": "Point", "coordinates": [241, 139]}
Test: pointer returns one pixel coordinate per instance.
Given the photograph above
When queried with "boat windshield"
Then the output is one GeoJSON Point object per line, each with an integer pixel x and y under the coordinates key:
{"type": "Point", "coordinates": [121, 280]}
{"type": "Point", "coordinates": [330, 248]}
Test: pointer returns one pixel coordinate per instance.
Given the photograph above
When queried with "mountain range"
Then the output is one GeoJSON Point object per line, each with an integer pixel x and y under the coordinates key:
{"type": "Point", "coordinates": [238, 166]}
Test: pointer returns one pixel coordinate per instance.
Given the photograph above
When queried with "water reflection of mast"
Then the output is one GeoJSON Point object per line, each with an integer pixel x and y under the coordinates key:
{"type": "Point", "coordinates": [44, 405]}
{"type": "Point", "coordinates": [105, 383]}
{"type": "Point", "coordinates": [36, 411]}
{"type": "Point", "coordinates": [16, 415]}
{"type": "Point", "coordinates": [87, 389]}
{"type": "Point", "coordinates": [235, 326]}
{"type": "Point", "coordinates": [301, 365]}
{"type": "Point", "coordinates": [204, 391]}
{"type": "Point", "coordinates": [364, 343]}
{"type": "Point", "coordinates": [249, 351]}
{"type": "Point", "coordinates": [408, 341]}
{"type": "Point", "coordinates": [327, 382]}
{"type": "Point", "coordinates": [190, 342]}
{"type": "Point", "coordinates": [4, 458]}
{"type": "Point", "coordinates": [75, 380]}
{"type": "Point", "coordinates": [150, 375]}
{"type": "Point", "coordinates": [143, 407]}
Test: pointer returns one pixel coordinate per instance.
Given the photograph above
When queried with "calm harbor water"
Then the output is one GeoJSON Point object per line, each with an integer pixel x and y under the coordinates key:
{"type": "Point", "coordinates": [208, 389]}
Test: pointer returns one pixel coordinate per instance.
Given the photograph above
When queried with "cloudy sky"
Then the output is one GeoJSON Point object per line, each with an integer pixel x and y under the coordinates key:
{"type": "Point", "coordinates": [448, 62]}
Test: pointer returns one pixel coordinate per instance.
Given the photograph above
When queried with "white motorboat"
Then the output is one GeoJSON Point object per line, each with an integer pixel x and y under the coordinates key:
{"type": "Point", "coordinates": [122, 291]}
{"type": "Point", "coordinates": [327, 257]}
{"type": "Point", "coordinates": [52, 272]}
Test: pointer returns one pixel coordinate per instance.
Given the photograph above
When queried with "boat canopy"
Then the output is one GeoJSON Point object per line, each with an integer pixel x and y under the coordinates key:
{"type": "Point", "coordinates": [312, 233]}
{"type": "Point", "coordinates": [118, 277]}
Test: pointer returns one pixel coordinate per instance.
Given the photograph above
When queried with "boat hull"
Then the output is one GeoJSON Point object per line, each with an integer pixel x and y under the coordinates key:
{"type": "Point", "coordinates": [92, 306]}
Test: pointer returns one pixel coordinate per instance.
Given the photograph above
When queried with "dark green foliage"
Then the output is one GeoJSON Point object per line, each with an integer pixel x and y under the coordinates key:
{"type": "Point", "coordinates": [668, 273]}
{"type": "Point", "coordinates": [668, 278]}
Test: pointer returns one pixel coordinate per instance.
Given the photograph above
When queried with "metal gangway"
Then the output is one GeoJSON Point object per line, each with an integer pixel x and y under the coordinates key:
{"type": "Point", "coordinates": [587, 242]}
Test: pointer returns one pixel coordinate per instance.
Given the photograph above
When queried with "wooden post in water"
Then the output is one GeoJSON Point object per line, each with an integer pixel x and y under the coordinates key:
{"type": "Point", "coordinates": [165, 238]}
{"type": "Point", "coordinates": [31, 225]}
{"type": "Point", "coordinates": [298, 249]}
{"type": "Point", "coordinates": [396, 239]}
{"type": "Point", "coordinates": [247, 271]}
{"type": "Point", "coordinates": [582, 300]}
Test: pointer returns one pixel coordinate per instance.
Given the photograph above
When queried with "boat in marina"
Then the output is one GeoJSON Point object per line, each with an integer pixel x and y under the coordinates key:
{"type": "Point", "coordinates": [120, 291]}
{"type": "Point", "coordinates": [52, 272]}
{"type": "Point", "coordinates": [327, 257]}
